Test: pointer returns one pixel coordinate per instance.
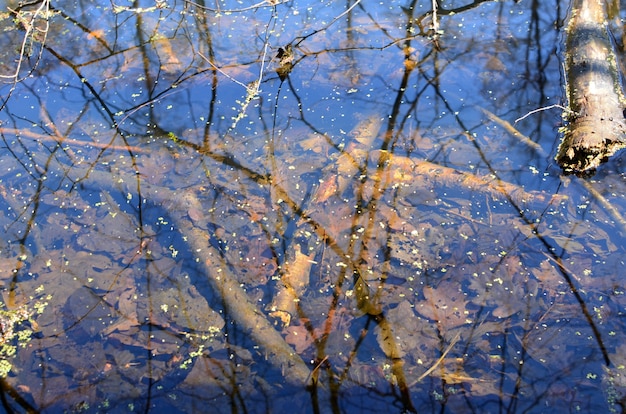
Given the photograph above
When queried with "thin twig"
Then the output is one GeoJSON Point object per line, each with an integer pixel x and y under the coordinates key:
{"type": "Point", "coordinates": [314, 32]}
{"type": "Point", "coordinates": [545, 108]}
{"type": "Point", "coordinates": [221, 71]}
{"type": "Point", "coordinates": [441, 358]}
{"type": "Point", "coordinates": [253, 89]}
{"type": "Point", "coordinates": [317, 367]}
{"type": "Point", "coordinates": [344, 13]}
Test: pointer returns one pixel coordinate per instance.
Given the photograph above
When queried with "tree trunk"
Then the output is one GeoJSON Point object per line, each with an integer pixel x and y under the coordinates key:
{"type": "Point", "coordinates": [595, 124]}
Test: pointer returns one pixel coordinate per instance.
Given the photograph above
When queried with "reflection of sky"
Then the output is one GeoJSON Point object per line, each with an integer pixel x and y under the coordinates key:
{"type": "Point", "coordinates": [499, 56]}
{"type": "Point", "coordinates": [488, 59]}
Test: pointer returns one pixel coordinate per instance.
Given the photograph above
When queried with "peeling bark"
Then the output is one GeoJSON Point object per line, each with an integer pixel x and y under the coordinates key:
{"type": "Point", "coordinates": [595, 124]}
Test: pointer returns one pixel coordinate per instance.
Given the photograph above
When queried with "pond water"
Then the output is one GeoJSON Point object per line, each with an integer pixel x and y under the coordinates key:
{"type": "Point", "coordinates": [310, 206]}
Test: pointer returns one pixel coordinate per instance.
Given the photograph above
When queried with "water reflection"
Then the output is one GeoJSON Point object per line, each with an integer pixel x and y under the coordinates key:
{"type": "Point", "coordinates": [320, 207]}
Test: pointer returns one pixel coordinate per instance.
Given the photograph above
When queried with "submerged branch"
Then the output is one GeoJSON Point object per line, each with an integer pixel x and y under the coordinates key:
{"type": "Point", "coordinates": [513, 131]}
{"type": "Point", "coordinates": [399, 169]}
{"type": "Point", "coordinates": [57, 138]}
{"type": "Point", "coordinates": [606, 204]}
{"type": "Point", "coordinates": [239, 306]}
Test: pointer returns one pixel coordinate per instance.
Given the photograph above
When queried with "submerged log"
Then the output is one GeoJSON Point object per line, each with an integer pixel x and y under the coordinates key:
{"type": "Point", "coordinates": [243, 310]}
{"type": "Point", "coordinates": [595, 124]}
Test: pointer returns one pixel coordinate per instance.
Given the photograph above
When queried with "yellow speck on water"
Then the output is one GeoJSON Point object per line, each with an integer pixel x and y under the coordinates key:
{"type": "Point", "coordinates": [174, 251]}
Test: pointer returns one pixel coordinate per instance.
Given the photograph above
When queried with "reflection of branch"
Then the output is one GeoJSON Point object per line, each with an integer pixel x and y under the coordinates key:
{"type": "Point", "coordinates": [221, 71]}
{"type": "Point", "coordinates": [390, 348]}
{"type": "Point", "coordinates": [569, 279]}
{"type": "Point", "coordinates": [76, 23]}
{"type": "Point", "coordinates": [253, 89]}
{"type": "Point", "coordinates": [84, 81]}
